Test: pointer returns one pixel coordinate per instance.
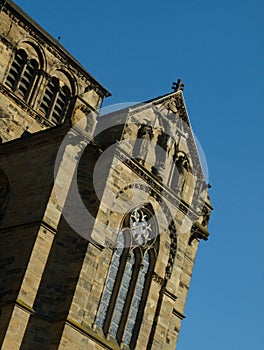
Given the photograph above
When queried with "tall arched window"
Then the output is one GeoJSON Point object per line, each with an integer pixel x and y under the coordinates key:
{"type": "Point", "coordinates": [60, 104]}
{"type": "Point", "coordinates": [50, 94]}
{"type": "Point", "coordinates": [22, 74]}
{"type": "Point", "coordinates": [129, 277]}
{"type": "Point", "coordinates": [16, 69]}
{"type": "Point", "coordinates": [55, 100]}
{"type": "Point", "coordinates": [27, 78]}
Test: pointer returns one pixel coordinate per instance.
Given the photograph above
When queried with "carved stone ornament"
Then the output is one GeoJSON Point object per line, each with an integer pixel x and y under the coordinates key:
{"type": "Point", "coordinates": [206, 216]}
{"type": "Point", "coordinates": [198, 232]}
{"type": "Point", "coordinates": [156, 278]}
{"type": "Point", "coordinates": [141, 227]}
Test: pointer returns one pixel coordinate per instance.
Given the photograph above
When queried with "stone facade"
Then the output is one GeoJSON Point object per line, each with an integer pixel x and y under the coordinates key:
{"type": "Point", "coordinates": [138, 175]}
{"type": "Point", "coordinates": [21, 99]}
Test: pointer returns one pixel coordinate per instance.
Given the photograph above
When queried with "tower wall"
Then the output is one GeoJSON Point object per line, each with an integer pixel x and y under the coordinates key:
{"type": "Point", "coordinates": [23, 90]}
{"type": "Point", "coordinates": [72, 187]}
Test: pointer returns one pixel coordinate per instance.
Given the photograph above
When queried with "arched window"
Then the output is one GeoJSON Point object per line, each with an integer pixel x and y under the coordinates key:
{"type": "Point", "coordinates": [16, 69]}
{"type": "Point", "coordinates": [55, 100]}
{"type": "Point", "coordinates": [27, 78]}
{"type": "Point", "coordinates": [128, 281]}
{"type": "Point", "coordinates": [22, 74]}
{"type": "Point", "coordinates": [60, 104]}
{"type": "Point", "coordinates": [50, 94]}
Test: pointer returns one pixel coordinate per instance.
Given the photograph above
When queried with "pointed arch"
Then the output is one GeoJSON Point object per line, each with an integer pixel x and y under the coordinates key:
{"type": "Point", "coordinates": [129, 278]}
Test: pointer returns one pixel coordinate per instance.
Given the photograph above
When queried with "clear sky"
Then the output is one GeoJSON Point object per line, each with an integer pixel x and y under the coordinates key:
{"type": "Point", "coordinates": [136, 49]}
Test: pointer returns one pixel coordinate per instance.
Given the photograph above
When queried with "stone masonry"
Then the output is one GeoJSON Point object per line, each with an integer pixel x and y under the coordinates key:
{"type": "Point", "coordinates": [56, 252]}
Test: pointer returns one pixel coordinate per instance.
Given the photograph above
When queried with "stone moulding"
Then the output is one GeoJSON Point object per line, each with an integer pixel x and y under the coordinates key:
{"type": "Point", "coordinates": [156, 278]}
{"type": "Point", "coordinates": [181, 107]}
{"type": "Point", "coordinates": [170, 295]}
{"type": "Point", "coordinates": [25, 107]}
{"type": "Point", "coordinates": [156, 187]}
{"type": "Point", "coordinates": [24, 306]}
{"type": "Point", "coordinates": [6, 42]}
{"type": "Point", "coordinates": [198, 232]}
{"type": "Point", "coordinates": [95, 336]}
{"type": "Point", "coordinates": [178, 314]}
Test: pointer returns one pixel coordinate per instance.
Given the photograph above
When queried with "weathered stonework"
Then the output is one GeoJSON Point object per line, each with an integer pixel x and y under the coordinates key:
{"type": "Point", "coordinates": [18, 31]}
{"type": "Point", "coordinates": [53, 276]}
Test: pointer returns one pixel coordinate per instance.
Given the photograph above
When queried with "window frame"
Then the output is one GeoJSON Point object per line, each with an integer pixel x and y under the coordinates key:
{"type": "Point", "coordinates": [151, 248]}
{"type": "Point", "coordinates": [22, 72]}
{"type": "Point", "coordinates": [53, 104]}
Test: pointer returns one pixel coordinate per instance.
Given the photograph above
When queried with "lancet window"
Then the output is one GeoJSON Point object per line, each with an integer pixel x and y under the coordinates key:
{"type": "Point", "coordinates": [129, 277]}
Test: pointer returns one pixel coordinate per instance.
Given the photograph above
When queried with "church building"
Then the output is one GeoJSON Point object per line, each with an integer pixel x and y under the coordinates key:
{"type": "Point", "coordinates": [101, 214]}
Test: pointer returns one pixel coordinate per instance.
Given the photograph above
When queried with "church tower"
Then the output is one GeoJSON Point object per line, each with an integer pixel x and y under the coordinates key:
{"type": "Point", "coordinates": [100, 215]}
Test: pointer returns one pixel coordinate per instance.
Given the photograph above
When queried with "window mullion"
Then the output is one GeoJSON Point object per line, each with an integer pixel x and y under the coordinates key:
{"type": "Point", "coordinates": [20, 72]}
{"type": "Point", "coordinates": [53, 103]}
{"type": "Point", "coordinates": [125, 294]}
{"type": "Point", "coordinates": [132, 285]}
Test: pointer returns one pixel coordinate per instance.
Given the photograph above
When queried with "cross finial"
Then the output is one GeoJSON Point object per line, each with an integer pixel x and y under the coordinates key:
{"type": "Point", "coordinates": [177, 86]}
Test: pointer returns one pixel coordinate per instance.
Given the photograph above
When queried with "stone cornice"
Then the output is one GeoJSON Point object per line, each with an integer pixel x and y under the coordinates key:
{"type": "Point", "coordinates": [147, 104]}
{"type": "Point", "coordinates": [170, 295]}
{"type": "Point", "coordinates": [25, 107]}
{"type": "Point", "coordinates": [181, 107]}
{"type": "Point", "coordinates": [88, 107]}
{"type": "Point", "coordinates": [156, 186]}
{"type": "Point", "coordinates": [95, 336]}
{"type": "Point", "coordinates": [85, 107]}
{"type": "Point", "coordinates": [180, 103]}
{"type": "Point", "coordinates": [193, 153]}
{"type": "Point", "coordinates": [178, 314]}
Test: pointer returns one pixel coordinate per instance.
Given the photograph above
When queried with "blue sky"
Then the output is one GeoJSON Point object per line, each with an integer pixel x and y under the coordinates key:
{"type": "Point", "coordinates": [136, 49]}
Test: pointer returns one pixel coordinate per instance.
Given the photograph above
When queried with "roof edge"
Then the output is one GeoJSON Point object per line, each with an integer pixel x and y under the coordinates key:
{"type": "Point", "coordinates": [52, 41]}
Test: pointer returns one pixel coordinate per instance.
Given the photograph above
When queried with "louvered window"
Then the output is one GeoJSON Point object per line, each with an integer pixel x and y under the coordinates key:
{"type": "Point", "coordinates": [60, 104]}
{"type": "Point", "coordinates": [49, 96]}
{"type": "Point", "coordinates": [55, 100]}
{"type": "Point", "coordinates": [27, 78]}
{"type": "Point", "coordinates": [16, 69]}
{"type": "Point", "coordinates": [22, 74]}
